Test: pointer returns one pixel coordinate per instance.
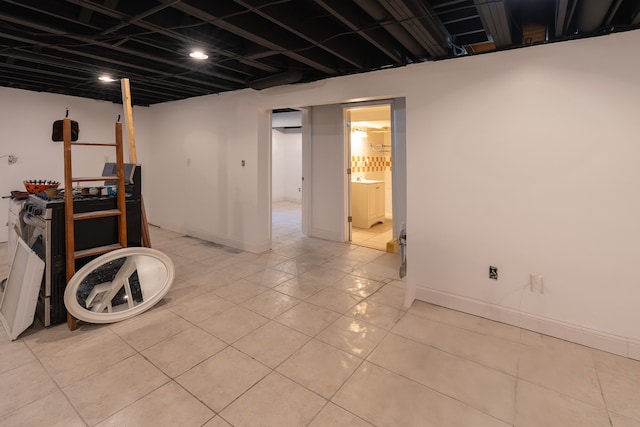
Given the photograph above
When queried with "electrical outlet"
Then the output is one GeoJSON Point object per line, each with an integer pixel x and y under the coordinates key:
{"type": "Point", "coordinates": [493, 272]}
{"type": "Point", "coordinates": [536, 282]}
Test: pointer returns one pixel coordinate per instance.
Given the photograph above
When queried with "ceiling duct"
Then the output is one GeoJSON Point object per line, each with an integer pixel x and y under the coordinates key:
{"type": "Point", "coordinates": [563, 16]}
{"type": "Point", "coordinates": [495, 17]}
{"type": "Point", "coordinates": [294, 75]}
{"type": "Point", "coordinates": [612, 12]}
{"type": "Point", "coordinates": [378, 13]}
{"type": "Point", "coordinates": [419, 22]}
{"type": "Point", "coordinates": [591, 15]}
{"type": "Point", "coordinates": [636, 16]}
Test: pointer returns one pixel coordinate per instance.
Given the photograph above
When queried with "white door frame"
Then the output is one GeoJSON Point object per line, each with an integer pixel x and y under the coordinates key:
{"type": "Point", "coordinates": [398, 153]}
{"type": "Point", "coordinates": [306, 171]}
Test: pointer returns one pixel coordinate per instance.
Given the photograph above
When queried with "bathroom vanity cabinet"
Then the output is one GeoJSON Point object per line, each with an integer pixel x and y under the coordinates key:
{"type": "Point", "coordinates": [367, 203]}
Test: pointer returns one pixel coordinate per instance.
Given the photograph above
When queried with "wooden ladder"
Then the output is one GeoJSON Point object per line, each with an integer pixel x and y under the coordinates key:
{"type": "Point", "coordinates": [70, 217]}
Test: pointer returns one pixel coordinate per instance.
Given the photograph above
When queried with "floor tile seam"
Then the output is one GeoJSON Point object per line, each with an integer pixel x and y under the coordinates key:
{"type": "Point", "coordinates": [28, 347]}
{"type": "Point", "coordinates": [327, 308]}
{"type": "Point", "coordinates": [458, 356]}
{"type": "Point", "coordinates": [632, 418]}
{"type": "Point", "coordinates": [634, 377]}
{"type": "Point", "coordinates": [362, 361]}
{"type": "Point", "coordinates": [468, 330]}
{"type": "Point", "coordinates": [197, 324]}
{"type": "Point", "coordinates": [568, 396]}
{"type": "Point", "coordinates": [53, 381]}
{"type": "Point", "coordinates": [344, 409]}
{"type": "Point", "coordinates": [203, 361]}
{"type": "Point", "coordinates": [604, 399]}
{"type": "Point", "coordinates": [199, 363]}
{"type": "Point", "coordinates": [162, 340]}
{"type": "Point", "coordinates": [441, 393]}
{"type": "Point", "coordinates": [304, 386]}
{"type": "Point", "coordinates": [258, 381]}
{"type": "Point", "coordinates": [101, 328]}
{"type": "Point", "coordinates": [278, 314]}
{"type": "Point", "coordinates": [373, 324]}
{"type": "Point", "coordinates": [317, 333]}
{"type": "Point", "coordinates": [131, 403]}
{"type": "Point", "coordinates": [270, 289]}
{"type": "Point", "coordinates": [134, 352]}
{"type": "Point", "coordinates": [95, 374]}
{"type": "Point", "coordinates": [382, 303]}
{"type": "Point", "coordinates": [64, 395]}
{"type": "Point", "coordinates": [307, 339]}
{"type": "Point", "coordinates": [241, 302]}
{"type": "Point", "coordinates": [102, 371]}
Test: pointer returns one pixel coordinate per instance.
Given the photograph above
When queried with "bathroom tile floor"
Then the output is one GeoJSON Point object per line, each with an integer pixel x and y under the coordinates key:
{"type": "Point", "coordinates": [311, 333]}
{"type": "Point", "coordinates": [375, 237]}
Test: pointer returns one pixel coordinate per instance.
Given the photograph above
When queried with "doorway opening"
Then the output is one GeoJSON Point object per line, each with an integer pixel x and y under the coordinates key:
{"type": "Point", "coordinates": [286, 174]}
{"type": "Point", "coordinates": [370, 146]}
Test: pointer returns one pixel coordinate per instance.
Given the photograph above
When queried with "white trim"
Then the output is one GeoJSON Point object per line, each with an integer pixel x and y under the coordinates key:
{"type": "Point", "coordinates": [332, 235]}
{"type": "Point", "coordinates": [255, 247]}
{"type": "Point", "coordinates": [306, 172]}
{"type": "Point", "coordinates": [622, 346]}
{"type": "Point", "coordinates": [634, 349]}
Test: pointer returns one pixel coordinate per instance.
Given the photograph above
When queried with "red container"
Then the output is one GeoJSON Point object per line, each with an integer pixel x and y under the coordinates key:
{"type": "Point", "coordinates": [34, 187]}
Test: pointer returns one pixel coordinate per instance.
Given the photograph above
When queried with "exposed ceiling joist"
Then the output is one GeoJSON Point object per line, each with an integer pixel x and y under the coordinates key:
{"type": "Point", "coordinates": [344, 12]}
{"type": "Point", "coordinates": [62, 46]}
{"type": "Point", "coordinates": [378, 13]}
{"type": "Point", "coordinates": [417, 20]}
{"type": "Point", "coordinates": [104, 10]}
{"type": "Point", "coordinates": [562, 9]}
{"type": "Point", "coordinates": [262, 40]}
{"type": "Point", "coordinates": [293, 22]}
{"type": "Point", "coordinates": [496, 19]}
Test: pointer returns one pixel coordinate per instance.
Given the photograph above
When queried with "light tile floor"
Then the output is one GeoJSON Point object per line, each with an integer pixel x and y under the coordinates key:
{"type": "Point", "coordinates": [288, 214]}
{"type": "Point", "coordinates": [375, 237]}
{"type": "Point", "coordinates": [311, 333]}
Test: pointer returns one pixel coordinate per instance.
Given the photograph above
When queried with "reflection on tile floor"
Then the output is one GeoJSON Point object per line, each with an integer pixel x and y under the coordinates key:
{"type": "Point", "coordinates": [311, 333]}
{"type": "Point", "coordinates": [375, 237]}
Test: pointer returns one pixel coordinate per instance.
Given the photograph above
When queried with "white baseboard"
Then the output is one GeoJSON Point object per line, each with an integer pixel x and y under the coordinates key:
{"type": "Point", "coordinates": [335, 236]}
{"type": "Point", "coordinates": [253, 247]}
{"type": "Point", "coordinates": [610, 343]}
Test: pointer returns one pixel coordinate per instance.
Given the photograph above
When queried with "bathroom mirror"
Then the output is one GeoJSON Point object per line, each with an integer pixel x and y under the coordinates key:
{"type": "Point", "coordinates": [119, 285]}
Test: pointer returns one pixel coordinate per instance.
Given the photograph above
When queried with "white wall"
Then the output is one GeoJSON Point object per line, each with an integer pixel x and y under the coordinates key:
{"type": "Point", "coordinates": [286, 161]}
{"type": "Point", "coordinates": [539, 177]}
{"type": "Point", "coordinates": [26, 119]}
{"type": "Point", "coordinates": [198, 148]}
{"type": "Point", "coordinates": [328, 172]}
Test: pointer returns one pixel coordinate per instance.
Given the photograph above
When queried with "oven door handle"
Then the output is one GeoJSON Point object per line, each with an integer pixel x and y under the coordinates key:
{"type": "Point", "coordinates": [33, 220]}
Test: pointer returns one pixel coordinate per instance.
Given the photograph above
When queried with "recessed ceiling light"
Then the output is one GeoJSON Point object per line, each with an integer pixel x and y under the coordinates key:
{"type": "Point", "coordinates": [106, 78]}
{"type": "Point", "coordinates": [198, 54]}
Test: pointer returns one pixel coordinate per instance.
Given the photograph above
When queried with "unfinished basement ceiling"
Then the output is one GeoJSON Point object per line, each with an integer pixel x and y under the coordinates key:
{"type": "Point", "coordinates": [63, 46]}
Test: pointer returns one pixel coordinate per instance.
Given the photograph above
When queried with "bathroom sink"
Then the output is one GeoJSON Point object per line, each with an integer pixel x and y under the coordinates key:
{"type": "Point", "coordinates": [367, 181]}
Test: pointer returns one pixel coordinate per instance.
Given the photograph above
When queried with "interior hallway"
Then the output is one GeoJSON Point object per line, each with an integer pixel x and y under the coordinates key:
{"type": "Point", "coordinates": [311, 333]}
{"type": "Point", "coordinates": [287, 221]}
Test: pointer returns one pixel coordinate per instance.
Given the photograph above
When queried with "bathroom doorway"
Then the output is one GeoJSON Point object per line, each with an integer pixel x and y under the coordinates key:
{"type": "Point", "coordinates": [370, 145]}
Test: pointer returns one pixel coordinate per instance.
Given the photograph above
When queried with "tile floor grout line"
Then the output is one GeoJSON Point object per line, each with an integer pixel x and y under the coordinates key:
{"type": "Point", "coordinates": [604, 400]}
